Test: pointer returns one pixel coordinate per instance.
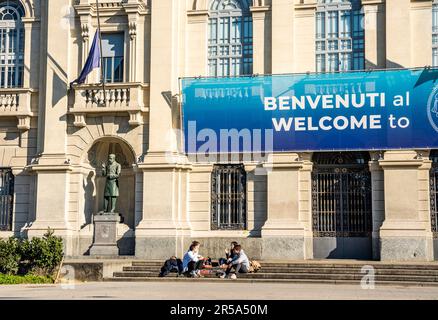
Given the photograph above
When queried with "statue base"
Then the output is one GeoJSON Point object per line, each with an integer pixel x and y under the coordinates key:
{"type": "Point", "coordinates": [105, 234]}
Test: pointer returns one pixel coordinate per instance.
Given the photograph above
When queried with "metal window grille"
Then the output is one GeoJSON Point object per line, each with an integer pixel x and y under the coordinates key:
{"type": "Point", "coordinates": [6, 199]}
{"type": "Point", "coordinates": [230, 41]}
{"type": "Point", "coordinates": [228, 205]}
{"type": "Point", "coordinates": [11, 44]}
{"type": "Point", "coordinates": [340, 36]}
{"type": "Point", "coordinates": [434, 192]}
{"type": "Point", "coordinates": [435, 33]}
{"type": "Point", "coordinates": [341, 195]}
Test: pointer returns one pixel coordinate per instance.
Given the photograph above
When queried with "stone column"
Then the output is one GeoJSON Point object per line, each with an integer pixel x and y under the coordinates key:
{"type": "Point", "coordinates": [283, 232]}
{"type": "Point", "coordinates": [398, 33]}
{"type": "Point", "coordinates": [304, 38]}
{"type": "Point", "coordinates": [53, 169]}
{"type": "Point", "coordinates": [374, 24]}
{"type": "Point", "coordinates": [405, 234]}
{"type": "Point", "coordinates": [378, 202]}
{"type": "Point", "coordinates": [421, 21]}
{"type": "Point", "coordinates": [164, 224]}
{"type": "Point", "coordinates": [163, 227]}
{"type": "Point", "coordinates": [305, 202]}
{"type": "Point", "coordinates": [282, 36]}
{"type": "Point", "coordinates": [197, 33]}
{"type": "Point", "coordinates": [260, 44]}
{"type": "Point", "coordinates": [31, 28]}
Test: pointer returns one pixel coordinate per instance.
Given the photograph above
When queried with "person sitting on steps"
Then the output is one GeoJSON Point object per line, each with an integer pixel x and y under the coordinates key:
{"type": "Point", "coordinates": [192, 261]}
{"type": "Point", "coordinates": [229, 254]}
{"type": "Point", "coordinates": [240, 263]}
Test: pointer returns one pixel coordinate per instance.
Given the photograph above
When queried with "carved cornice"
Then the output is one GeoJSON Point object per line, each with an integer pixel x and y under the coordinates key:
{"type": "Point", "coordinates": [109, 8]}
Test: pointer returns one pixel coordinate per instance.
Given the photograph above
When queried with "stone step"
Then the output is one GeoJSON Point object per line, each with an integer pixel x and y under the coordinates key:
{"type": "Point", "coordinates": [315, 276]}
{"type": "Point", "coordinates": [311, 269]}
{"type": "Point", "coordinates": [310, 264]}
{"type": "Point", "coordinates": [247, 280]}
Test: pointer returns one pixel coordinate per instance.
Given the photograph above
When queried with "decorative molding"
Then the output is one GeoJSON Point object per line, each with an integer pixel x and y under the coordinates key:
{"type": "Point", "coordinates": [132, 29]}
{"type": "Point", "coordinates": [85, 32]}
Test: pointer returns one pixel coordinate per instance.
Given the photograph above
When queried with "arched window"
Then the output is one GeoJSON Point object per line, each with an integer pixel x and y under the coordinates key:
{"type": "Point", "coordinates": [340, 37]}
{"type": "Point", "coordinates": [230, 44]}
{"type": "Point", "coordinates": [11, 44]}
{"type": "Point", "coordinates": [435, 33]}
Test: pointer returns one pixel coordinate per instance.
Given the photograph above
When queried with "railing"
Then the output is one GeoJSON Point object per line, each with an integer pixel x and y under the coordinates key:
{"type": "Point", "coordinates": [17, 102]}
{"type": "Point", "coordinates": [118, 97]}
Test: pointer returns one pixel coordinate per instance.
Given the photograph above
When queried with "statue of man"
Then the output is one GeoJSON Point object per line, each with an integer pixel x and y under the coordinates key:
{"type": "Point", "coordinates": [112, 172]}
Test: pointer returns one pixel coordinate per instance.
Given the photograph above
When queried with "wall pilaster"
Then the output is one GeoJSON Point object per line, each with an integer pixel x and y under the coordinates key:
{"type": "Point", "coordinates": [283, 232]}
{"type": "Point", "coordinates": [374, 25]}
{"type": "Point", "coordinates": [405, 234]}
{"type": "Point", "coordinates": [261, 43]}
{"type": "Point", "coordinates": [282, 36]}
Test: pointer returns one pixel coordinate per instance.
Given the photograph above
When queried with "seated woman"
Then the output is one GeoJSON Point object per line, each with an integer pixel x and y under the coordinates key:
{"type": "Point", "coordinates": [240, 263]}
{"type": "Point", "coordinates": [229, 254]}
{"type": "Point", "coordinates": [192, 261]}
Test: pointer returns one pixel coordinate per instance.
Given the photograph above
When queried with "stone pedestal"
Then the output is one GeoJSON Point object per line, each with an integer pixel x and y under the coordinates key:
{"type": "Point", "coordinates": [105, 235]}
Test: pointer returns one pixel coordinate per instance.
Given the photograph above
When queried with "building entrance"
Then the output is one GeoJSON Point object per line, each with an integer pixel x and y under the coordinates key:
{"type": "Point", "coordinates": [341, 205]}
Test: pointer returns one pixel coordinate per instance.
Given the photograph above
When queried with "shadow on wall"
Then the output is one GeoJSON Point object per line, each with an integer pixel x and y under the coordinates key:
{"type": "Point", "coordinates": [388, 65]}
{"type": "Point", "coordinates": [260, 201]}
{"type": "Point", "coordinates": [89, 198]}
{"type": "Point", "coordinates": [23, 220]}
{"type": "Point", "coordinates": [342, 248]}
{"type": "Point", "coordinates": [126, 244]}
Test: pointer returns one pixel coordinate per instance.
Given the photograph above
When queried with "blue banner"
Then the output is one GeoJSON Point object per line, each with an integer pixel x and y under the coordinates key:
{"type": "Point", "coordinates": [375, 110]}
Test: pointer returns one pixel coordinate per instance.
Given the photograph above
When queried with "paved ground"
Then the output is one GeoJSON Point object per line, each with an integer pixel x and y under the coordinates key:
{"type": "Point", "coordinates": [225, 291]}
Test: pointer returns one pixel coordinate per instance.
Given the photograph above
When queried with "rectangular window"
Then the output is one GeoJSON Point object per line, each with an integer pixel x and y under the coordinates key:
{"type": "Point", "coordinates": [228, 205]}
{"type": "Point", "coordinates": [113, 52]}
{"type": "Point", "coordinates": [340, 37]}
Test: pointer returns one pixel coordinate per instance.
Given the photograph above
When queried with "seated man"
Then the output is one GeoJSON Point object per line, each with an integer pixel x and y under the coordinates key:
{"type": "Point", "coordinates": [239, 262]}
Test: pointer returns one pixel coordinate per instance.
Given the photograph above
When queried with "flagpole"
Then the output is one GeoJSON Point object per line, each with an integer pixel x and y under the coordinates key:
{"type": "Point", "coordinates": [102, 73]}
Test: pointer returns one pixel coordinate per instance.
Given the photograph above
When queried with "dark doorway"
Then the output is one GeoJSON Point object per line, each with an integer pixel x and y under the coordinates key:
{"type": "Point", "coordinates": [341, 205]}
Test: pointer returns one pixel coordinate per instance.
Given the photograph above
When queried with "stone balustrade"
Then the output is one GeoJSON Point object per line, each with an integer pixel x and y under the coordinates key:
{"type": "Point", "coordinates": [128, 98]}
{"type": "Point", "coordinates": [17, 102]}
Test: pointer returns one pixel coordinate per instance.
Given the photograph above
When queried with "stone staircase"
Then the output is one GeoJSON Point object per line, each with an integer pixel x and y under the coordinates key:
{"type": "Point", "coordinates": [327, 271]}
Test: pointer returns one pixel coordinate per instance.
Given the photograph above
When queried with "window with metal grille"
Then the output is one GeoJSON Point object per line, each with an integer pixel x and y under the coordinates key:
{"type": "Point", "coordinates": [435, 33]}
{"type": "Point", "coordinates": [341, 195]}
{"type": "Point", "coordinates": [6, 199]}
{"type": "Point", "coordinates": [230, 41]}
{"type": "Point", "coordinates": [434, 192]}
{"type": "Point", "coordinates": [113, 48]}
{"type": "Point", "coordinates": [340, 36]}
{"type": "Point", "coordinates": [11, 44]}
{"type": "Point", "coordinates": [228, 203]}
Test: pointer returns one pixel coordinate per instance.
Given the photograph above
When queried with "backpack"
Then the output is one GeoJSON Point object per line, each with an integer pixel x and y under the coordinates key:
{"type": "Point", "coordinates": [171, 265]}
{"type": "Point", "coordinates": [254, 266]}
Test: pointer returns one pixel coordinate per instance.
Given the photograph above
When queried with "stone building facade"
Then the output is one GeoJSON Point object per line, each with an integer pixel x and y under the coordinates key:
{"type": "Point", "coordinates": [53, 138]}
